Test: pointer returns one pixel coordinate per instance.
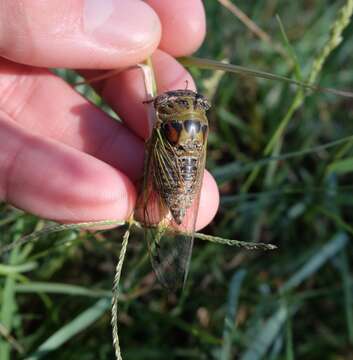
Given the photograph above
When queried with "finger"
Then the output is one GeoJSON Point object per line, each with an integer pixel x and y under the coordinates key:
{"type": "Point", "coordinates": [78, 33]}
{"type": "Point", "coordinates": [183, 23]}
{"type": "Point", "coordinates": [126, 92]}
{"type": "Point", "coordinates": [57, 182]}
{"type": "Point", "coordinates": [209, 201]}
{"type": "Point", "coordinates": [47, 106]}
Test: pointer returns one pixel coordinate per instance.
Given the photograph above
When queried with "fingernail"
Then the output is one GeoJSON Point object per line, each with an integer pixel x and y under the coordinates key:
{"type": "Point", "coordinates": [120, 23]}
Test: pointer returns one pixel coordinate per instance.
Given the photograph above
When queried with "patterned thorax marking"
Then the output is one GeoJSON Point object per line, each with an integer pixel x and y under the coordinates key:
{"type": "Point", "coordinates": [183, 126]}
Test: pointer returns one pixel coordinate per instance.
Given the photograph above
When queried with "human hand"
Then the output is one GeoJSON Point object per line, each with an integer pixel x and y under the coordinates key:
{"type": "Point", "coordinates": [61, 157]}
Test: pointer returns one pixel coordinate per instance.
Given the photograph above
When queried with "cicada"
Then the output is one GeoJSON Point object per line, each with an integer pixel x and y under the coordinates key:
{"type": "Point", "coordinates": [174, 168]}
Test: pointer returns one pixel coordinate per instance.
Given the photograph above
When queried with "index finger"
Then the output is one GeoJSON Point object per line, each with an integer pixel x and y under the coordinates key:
{"type": "Point", "coordinates": [94, 34]}
{"type": "Point", "coordinates": [78, 33]}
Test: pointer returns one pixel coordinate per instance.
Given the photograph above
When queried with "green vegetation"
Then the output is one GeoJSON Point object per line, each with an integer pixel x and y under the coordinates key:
{"type": "Point", "coordinates": [283, 158]}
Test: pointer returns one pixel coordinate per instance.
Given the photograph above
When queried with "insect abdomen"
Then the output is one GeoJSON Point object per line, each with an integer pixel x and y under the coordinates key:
{"type": "Point", "coordinates": [182, 196]}
{"type": "Point", "coordinates": [188, 169]}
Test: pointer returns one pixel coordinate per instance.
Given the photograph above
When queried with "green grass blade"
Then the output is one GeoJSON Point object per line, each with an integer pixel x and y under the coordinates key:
{"type": "Point", "coordinates": [290, 51]}
{"type": "Point", "coordinates": [289, 339]}
{"type": "Point", "coordinates": [231, 170]}
{"type": "Point", "coordinates": [341, 167]}
{"type": "Point", "coordinates": [65, 289]}
{"type": "Point", "coordinates": [8, 304]}
{"type": "Point", "coordinates": [347, 291]}
{"type": "Point", "coordinates": [57, 228]}
{"type": "Point", "coordinates": [8, 308]}
{"type": "Point", "coordinates": [337, 219]}
{"type": "Point", "coordinates": [4, 333]}
{"type": "Point", "coordinates": [15, 269]}
{"type": "Point", "coordinates": [273, 325]}
{"type": "Point", "coordinates": [237, 69]}
{"type": "Point", "coordinates": [266, 337]}
{"type": "Point", "coordinates": [329, 250]}
{"type": "Point", "coordinates": [229, 321]}
{"type": "Point", "coordinates": [67, 332]}
{"type": "Point", "coordinates": [274, 145]}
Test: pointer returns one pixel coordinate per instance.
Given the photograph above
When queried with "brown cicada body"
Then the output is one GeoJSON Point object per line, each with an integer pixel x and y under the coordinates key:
{"type": "Point", "coordinates": [176, 154]}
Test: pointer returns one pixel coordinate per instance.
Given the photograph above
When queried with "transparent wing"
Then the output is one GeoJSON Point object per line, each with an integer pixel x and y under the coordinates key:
{"type": "Point", "coordinates": [170, 245]}
{"type": "Point", "coordinates": [171, 248]}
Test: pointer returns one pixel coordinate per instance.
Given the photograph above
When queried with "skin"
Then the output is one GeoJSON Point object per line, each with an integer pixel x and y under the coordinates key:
{"type": "Point", "coordinates": [61, 157]}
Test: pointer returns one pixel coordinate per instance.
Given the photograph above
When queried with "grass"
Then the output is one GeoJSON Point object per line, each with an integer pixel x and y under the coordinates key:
{"type": "Point", "coordinates": [294, 302]}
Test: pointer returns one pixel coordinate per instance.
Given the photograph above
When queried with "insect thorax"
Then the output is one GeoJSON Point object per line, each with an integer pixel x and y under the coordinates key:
{"type": "Point", "coordinates": [181, 118]}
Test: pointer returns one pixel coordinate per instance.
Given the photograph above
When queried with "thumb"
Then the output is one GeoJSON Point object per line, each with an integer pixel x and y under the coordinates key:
{"type": "Point", "coordinates": [78, 33]}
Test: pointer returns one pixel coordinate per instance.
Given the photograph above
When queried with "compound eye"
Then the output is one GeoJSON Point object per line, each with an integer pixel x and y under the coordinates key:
{"type": "Point", "coordinates": [172, 131]}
